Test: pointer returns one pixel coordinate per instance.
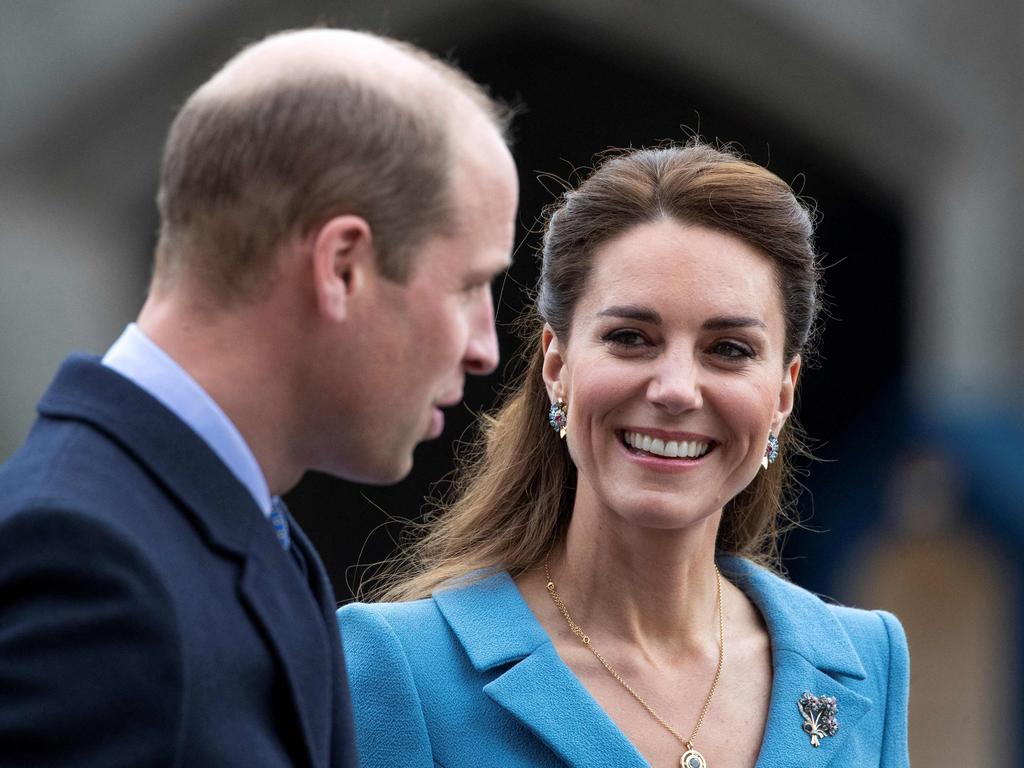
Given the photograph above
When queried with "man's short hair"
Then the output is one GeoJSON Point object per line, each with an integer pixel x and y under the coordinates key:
{"type": "Point", "coordinates": [242, 173]}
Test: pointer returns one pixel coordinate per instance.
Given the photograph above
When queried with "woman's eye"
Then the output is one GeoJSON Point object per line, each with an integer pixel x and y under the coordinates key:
{"type": "Point", "coordinates": [733, 350]}
{"type": "Point", "coordinates": [625, 337]}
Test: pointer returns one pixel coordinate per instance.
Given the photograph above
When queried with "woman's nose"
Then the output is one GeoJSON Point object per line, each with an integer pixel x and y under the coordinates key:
{"type": "Point", "coordinates": [675, 387]}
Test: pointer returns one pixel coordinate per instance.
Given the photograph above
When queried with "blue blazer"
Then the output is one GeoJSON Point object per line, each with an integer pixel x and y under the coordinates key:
{"type": "Point", "coordinates": [470, 678]}
{"type": "Point", "coordinates": [148, 614]}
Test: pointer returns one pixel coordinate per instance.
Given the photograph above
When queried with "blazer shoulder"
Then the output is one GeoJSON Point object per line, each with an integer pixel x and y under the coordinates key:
{"type": "Point", "coordinates": [403, 640]}
{"type": "Point", "coordinates": [390, 725]}
{"type": "Point", "coordinates": [386, 627]}
{"type": "Point", "coordinates": [881, 642]}
{"type": "Point", "coordinates": [874, 633]}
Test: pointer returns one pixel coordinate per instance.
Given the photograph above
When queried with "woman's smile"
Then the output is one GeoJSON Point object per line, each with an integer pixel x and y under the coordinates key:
{"type": "Point", "coordinates": [659, 451]}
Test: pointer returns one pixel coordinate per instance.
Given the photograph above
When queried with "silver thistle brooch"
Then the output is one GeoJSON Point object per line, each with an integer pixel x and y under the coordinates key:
{"type": "Point", "coordinates": [819, 716]}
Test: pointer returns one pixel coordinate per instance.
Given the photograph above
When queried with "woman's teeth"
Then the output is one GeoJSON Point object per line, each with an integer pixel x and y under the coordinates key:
{"type": "Point", "coordinates": [682, 449]}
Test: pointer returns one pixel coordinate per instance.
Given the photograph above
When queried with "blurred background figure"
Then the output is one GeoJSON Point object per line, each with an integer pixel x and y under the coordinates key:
{"type": "Point", "coordinates": [904, 122]}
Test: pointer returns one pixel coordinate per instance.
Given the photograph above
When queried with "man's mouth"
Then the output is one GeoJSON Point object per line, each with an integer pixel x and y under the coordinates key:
{"type": "Point", "coordinates": [669, 449]}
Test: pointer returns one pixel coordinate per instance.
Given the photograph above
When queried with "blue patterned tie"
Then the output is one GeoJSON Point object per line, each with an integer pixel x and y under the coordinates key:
{"type": "Point", "coordinates": [279, 519]}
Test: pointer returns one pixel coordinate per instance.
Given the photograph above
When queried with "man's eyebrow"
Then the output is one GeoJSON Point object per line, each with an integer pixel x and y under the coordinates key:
{"type": "Point", "coordinates": [725, 322]}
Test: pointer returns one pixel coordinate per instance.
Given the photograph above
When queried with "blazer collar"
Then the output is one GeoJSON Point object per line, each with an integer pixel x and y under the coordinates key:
{"type": "Point", "coordinates": [225, 514]}
{"type": "Point", "coordinates": [797, 620]}
{"type": "Point", "coordinates": [86, 390]}
{"type": "Point", "coordinates": [496, 628]}
{"type": "Point", "coordinates": [810, 650]}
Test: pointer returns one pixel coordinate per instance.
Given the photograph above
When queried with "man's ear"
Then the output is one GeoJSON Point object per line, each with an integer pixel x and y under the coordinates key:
{"type": "Point", "coordinates": [787, 395]}
{"type": "Point", "coordinates": [342, 252]}
{"type": "Point", "coordinates": [554, 364]}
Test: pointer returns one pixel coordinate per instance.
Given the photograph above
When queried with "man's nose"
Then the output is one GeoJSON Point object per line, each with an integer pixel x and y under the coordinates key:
{"type": "Point", "coordinates": [482, 354]}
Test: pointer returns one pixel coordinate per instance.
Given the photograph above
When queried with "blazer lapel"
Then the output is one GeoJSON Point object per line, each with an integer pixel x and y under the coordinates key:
{"type": "Point", "coordinates": [227, 517]}
{"type": "Point", "coordinates": [342, 731]}
{"type": "Point", "coordinates": [542, 694]}
{"type": "Point", "coordinates": [497, 628]}
{"type": "Point", "coordinates": [811, 653]}
{"type": "Point", "coordinates": [293, 624]}
{"type": "Point", "coordinates": [786, 745]}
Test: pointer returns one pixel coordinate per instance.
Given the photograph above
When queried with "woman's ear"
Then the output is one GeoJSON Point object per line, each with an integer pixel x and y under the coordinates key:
{"type": "Point", "coordinates": [787, 395]}
{"type": "Point", "coordinates": [342, 254]}
{"type": "Point", "coordinates": [554, 364]}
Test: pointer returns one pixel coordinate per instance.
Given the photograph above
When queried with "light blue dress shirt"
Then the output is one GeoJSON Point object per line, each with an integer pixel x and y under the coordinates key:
{"type": "Point", "coordinates": [138, 358]}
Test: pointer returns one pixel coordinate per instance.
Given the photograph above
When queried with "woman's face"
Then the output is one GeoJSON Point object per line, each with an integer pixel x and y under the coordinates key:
{"type": "Point", "coordinates": [676, 346]}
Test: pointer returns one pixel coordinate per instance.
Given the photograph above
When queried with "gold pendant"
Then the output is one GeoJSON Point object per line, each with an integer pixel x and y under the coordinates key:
{"type": "Point", "coordinates": [693, 759]}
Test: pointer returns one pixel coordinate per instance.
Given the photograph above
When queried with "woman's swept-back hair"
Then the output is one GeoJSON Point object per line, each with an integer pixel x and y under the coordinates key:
{"type": "Point", "coordinates": [512, 499]}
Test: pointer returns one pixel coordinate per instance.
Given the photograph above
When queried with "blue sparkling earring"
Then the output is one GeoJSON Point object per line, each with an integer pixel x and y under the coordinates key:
{"type": "Point", "coordinates": [558, 417]}
{"type": "Point", "coordinates": [771, 452]}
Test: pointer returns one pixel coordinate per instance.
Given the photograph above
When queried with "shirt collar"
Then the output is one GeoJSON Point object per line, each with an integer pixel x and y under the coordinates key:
{"type": "Point", "coordinates": [139, 359]}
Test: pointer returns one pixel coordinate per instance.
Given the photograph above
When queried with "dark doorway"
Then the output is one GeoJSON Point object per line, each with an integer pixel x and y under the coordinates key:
{"type": "Point", "coordinates": [581, 101]}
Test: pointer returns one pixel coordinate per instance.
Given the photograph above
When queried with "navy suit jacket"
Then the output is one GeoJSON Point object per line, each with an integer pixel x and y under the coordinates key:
{"type": "Point", "coordinates": [148, 614]}
{"type": "Point", "coordinates": [469, 678]}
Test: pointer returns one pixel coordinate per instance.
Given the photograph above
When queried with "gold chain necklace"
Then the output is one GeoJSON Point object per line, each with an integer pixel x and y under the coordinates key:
{"type": "Point", "coordinates": [691, 757]}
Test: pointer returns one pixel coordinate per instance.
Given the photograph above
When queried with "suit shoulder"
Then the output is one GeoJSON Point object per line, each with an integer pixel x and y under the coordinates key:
{"type": "Point", "coordinates": [59, 549]}
{"type": "Point", "coordinates": [70, 465]}
{"type": "Point", "coordinates": [62, 563]}
{"type": "Point", "coordinates": [84, 610]}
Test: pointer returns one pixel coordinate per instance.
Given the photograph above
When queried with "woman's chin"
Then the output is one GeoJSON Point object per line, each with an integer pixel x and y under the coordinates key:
{"type": "Point", "coordinates": [664, 515]}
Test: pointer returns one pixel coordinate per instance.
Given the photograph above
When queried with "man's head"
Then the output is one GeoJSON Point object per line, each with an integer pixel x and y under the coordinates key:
{"type": "Point", "coordinates": [355, 197]}
{"type": "Point", "coordinates": [298, 128]}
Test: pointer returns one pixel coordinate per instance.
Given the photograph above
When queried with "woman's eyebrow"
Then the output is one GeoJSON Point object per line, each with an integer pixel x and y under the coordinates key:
{"type": "Point", "coordinates": [725, 322]}
{"type": "Point", "coordinates": [644, 314]}
{"type": "Point", "coordinates": [632, 312]}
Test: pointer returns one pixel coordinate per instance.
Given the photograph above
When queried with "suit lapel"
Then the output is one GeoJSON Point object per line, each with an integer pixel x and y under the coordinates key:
{"type": "Point", "coordinates": [496, 628]}
{"type": "Point", "coordinates": [811, 653]}
{"type": "Point", "coordinates": [292, 622]}
{"type": "Point", "coordinates": [228, 519]}
{"type": "Point", "coordinates": [342, 733]}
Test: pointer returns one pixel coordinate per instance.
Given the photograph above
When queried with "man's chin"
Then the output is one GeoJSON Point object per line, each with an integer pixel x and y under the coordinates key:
{"type": "Point", "coordinates": [396, 476]}
{"type": "Point", "coordinates": [385, 471]}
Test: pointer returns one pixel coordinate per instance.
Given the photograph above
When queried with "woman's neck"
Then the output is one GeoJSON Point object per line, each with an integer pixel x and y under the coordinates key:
{"type": "Point", "coordinates": [653, 589]}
